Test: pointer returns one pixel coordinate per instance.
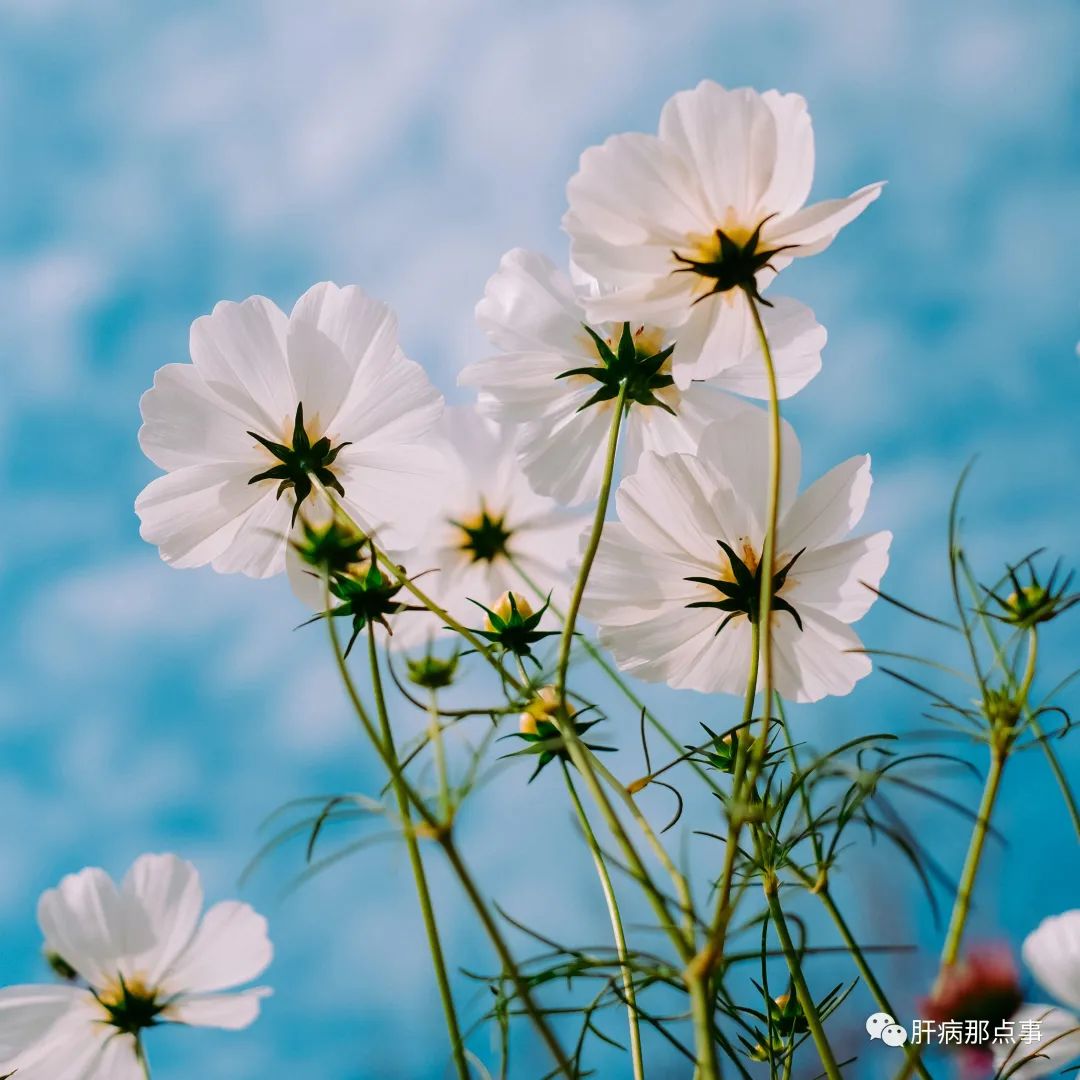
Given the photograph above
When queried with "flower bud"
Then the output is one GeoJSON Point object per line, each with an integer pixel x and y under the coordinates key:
{"type": "Point", "coordinates": [543, 707]}
{"type": "Point", "coordinates": [61, 968]}
{"type": "Point", "coordinates": [432, 672]}
{"type": "Point", "coordinates": [505, 606]}
{"type": "Point", "coordinates": [331, 544]}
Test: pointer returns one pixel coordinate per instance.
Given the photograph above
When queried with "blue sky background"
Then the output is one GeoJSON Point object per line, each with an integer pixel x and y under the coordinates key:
{"type": "Point", "coordinates": [157, 157]}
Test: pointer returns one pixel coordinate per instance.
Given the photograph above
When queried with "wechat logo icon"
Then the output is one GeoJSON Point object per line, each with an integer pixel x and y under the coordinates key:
{"type": "Point", "coordinates": [882, 1026]}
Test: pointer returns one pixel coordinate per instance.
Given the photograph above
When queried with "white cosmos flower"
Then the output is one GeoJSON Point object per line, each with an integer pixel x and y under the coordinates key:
{"type": "Point", "coordinates": [1052, 953]}
{"type": "Point", "coordinates": [335, 364]}
{"type": "Point", "coordinates": [533, 312]}
{"type": "Point", "coordinates": [489, 533]}
{"type": "Point", "coordinates": [674, 222]}
{"type": "Point", "coordinates": [676, 513]}
{"type": "Point", "coordinates": [143, 956]}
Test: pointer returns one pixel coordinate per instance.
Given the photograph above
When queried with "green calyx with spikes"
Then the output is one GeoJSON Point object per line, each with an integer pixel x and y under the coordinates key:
{"type": "Point", "coordinates": [300, 462]}
{"type": "Point", "coordinates": [547, 744]}
{"type": "Point", "coordinates": [742, 595]}
{"type": "Point", "coordinates": [516, 632]}
{"type": "Point", "coordinates": [1032, 602]}
{"type": "Point", "coordinates": [643, 374]}
{"type": "Point", "coordinates": [367, 596]}
{"type": "Point", "coordinates": [132, 1009]}
{"type": "Point", "coordinates": [735, 265]}
{"type": "Point", "coordinates": [484, 539]}
{"type": "Point", "coordinates": [332, 548]}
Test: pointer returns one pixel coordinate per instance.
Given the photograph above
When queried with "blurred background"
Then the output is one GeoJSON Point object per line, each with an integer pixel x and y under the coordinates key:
{"type": "Point", "coordinates": [158, 157]}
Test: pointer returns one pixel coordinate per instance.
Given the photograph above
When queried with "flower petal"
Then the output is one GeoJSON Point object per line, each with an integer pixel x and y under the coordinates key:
{"type": "Point", "coordinates": [186, 423]}
{"type": "Point", "coordinates": [117, 1060]}
{"type": "Point", "coordinates": [258, 547]}
{"type": "Point", "coordinates": [566, 461]}
{"type": "Point", "coordinates": [391, 491]}
{"type": "Point", "coordinates": [29, 1013]}
{"type": "Point", "coordinates": [193, 514]}
{"type": "Point", "coordinates": [839, 579]}
{"type": "Point", "coordinates": [796, 341]}
{"type": "Point", "coordinates": [529, 305]}
{"type": "Point", "coordinates": [169, 891]}
{"type": "Point", "coordinates": [653, 429]}
{"type": "Point", "coordinates": [630, 581]}
{"type": "Point", "coordinates": [92, 925]}
{"type": "Point", "coordinates": [819, 660]}
{"type": "Point", "coordinates": [76, 1047]}
{"type": "Point", "coordinates": [364, 329]}
{"type": "Point", "coordinates": [391, 400]}
{"type": "Point", "coordinates": [520, 387]}
{"type": "Point", "coordinates": [239, 350]}
{"type": "Point", "coordinates": [229, 1012]}
{"type": "Point", "coordinates": [230, 947]}
{"type": "Point", "coordinates": [729, 139]}
{"type": "Point", "coordinates": [739, 451]}
{"type": "Point", "coordinates": [814, 228]}
{"type": "Point", "coordinates": [1052, 952]}
{"type": "Point", "coordinates": [674, 505]}
{"type": "Point", "coordinates": [829, 509]}
{"type": "Point", "coordinates": [680, 646]}
{"type": "Point", "coordinates": [793, 165]}
{"type": "Point", "coordinates": [320, 373]}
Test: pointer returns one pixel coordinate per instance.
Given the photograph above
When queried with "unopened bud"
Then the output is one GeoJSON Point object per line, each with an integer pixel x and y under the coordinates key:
{"type": "Point", "coordinates": [505, 609]}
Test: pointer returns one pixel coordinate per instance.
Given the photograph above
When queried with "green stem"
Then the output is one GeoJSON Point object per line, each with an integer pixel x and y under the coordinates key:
{"type": "Point", "coordinates": [597, 656]}
{"type": "Point", "coordinates": [444, 837]}
{"type": "Point", "coordinates": [502, 950]}
{"type": "Point", "coordinates": [1029, 713]}
{"type": "Point", "coordinates": [140, 1056]}
{"type": "Point", "coordinates": [820, 889]}
{"type": "Point", "coordinates": [567, 638]}
{"type": "Point", "coordinates": [423, 893]}
{"type": "Point", "coordinates": [1029, 670]}
{"type": "Point", "coordinates": [476, 644]}
{"type": "Point", "coordinates": [802, 991]}
{"type": "Point", "coordinates": [701, 1014]}
{"type": "Point", "coordinates": [768, 551]}
{"type": "Point", "coordinates": [616, 926]}
{"type": "Point", "coordinates": [584, 760]}
{"type": "Point", "coordinates": [962, 904]}
{"type": "Point", "coordinates": [868, 977]}
{"type": "Point", "coordinates": [435, 736]}
{"type": "Point", "coordinates": [761, 649]}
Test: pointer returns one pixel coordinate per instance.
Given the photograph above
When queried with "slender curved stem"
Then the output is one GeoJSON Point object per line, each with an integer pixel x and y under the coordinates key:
{"type": "Point", "coordinates": [802, 991]}
{"type": "Point", "coordinates": [567, 637]}
{"type": "Point", "coordinates": [596, 654]}
{"type": "Point", "coordinates": [140, 1056]}
{"type": "Point", "coordinates": [445, 839]}
{"type": "Point", "coordinates": [1029, 671]}
{"type": "Point", "coordinates": [435, 737]}
{"type": "Point", "coordinates": [861, 964]}
{"type": "Point", "coordinates": [820, 889]}
{"type": "Point", "coordinates": [584, 760]}
{"type": "Point", "coordinates": [768, 550]}
{"type": "Point", "coordinates": [479, 646]}
{"type": "Point", "coordinates": [423, 893]}
{"type": "Point", "coordinates": [699, 987]}
{"type": "Point", "coordinates": [629, 993]}
{"type": "Point", "coordinates": [962, 904]}
{"type": "Point", "coordinates": [502, 950]}
{"type": "Point", "coordinates": [727, 875]}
